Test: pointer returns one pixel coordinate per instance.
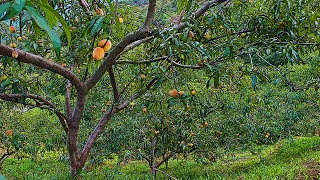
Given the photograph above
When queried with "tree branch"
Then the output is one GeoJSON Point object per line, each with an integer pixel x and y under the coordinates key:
{"type": "Point", "coordinates": [150, 14]}
{"type": "Point", "coordinates": [164, 160]}
{"type": "Point", "coordinates": [116, 95]}
{"type": "Point", "coordinates": [42, 63]}
{"type": "Point", "coordinates": [85, 5]}
{"type": "Point", "coordinates": [40, 101]}
{"type": "Point", "coordinates": [135, 44]}
{"type": "Point", "coordinates": [142, 61]}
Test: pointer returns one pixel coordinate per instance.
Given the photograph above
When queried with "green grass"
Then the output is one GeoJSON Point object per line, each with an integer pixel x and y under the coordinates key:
{"type": "Point", "coordinates": [284, 160]}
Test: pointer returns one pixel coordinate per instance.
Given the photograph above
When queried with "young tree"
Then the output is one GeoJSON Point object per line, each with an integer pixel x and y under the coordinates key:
{"type": "Point", "coordinates": [168, 46]}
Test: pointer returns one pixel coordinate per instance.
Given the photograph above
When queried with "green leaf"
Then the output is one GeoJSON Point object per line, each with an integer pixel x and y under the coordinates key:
{"type": "Point", "coordinates": [216, 80]}
{"type": "Point", "coordinates": [181, 5]}
{"type": "Point", "coordinates": [97, 26]}
{"type": "Point", "coordinates": [48, 9]}
{"type": "Point", "coordinates": [254, 81]}
{"type": "Point", "coordinates": [189, 5]}
{"type": "Point", "coordinates": [15, 9]}
{"type": "Point", "coordinates": [4, 7]}
{"type": "Point", "coordinates": [42, 23]}
{"type": "Point", "coordinates": [208, 83]}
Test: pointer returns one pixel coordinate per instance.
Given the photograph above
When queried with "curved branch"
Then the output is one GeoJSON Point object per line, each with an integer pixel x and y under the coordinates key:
{"type": "Point", "coordinates": [42, 63]}
{"type": "Point", "coordinates": [40, 102]}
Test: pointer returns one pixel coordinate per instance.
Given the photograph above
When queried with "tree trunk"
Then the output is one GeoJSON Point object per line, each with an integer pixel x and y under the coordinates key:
{"type": "Point", "coordinates": [75, 167]}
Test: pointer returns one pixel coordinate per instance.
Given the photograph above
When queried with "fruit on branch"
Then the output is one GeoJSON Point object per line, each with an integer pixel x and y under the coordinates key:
{"type": "Point", "coordinates": [64, 65]}
{"type": "Point", "coordinates": [207, 35]}
{"type": "Point", "coordinates": [189, 144]}
{"type": "Point", "coordinates": [182, 57]}
{"type": "Point", "coordinates": [20, 38]}
{"type": "Point", "coordinates": [98, 53]}
{"type": "Point", "coordinates": [173, 93]}
{"type": "Point", "coordinates": [13, 45]}
{"type": "Point", "coordinates": [12, 29]}
{"type": "Point", "coordinates": [220, 27]}
{"type": "Point", "coordinates": [144, 110]}
{"type": "Point", "coordinates": [201, 63]}
{"type": "Point", "coordinates": [9, 132]}
{"type": "Point", "coordinates": [206, 124]}
{"type": "Point", "coordinates": [120, 20]}
{"type": "Point", "coordinates": [103, 110]}
{"type": "Point", "coordinates": [181, 93]}
{"type": "Point", "coordinates": [228, 31]}
{"type": "Point", "coordinates": [14, 54]}
{"type": "Point", "coordinates": [243, 35]}
{"type": "Point", "coordinates": [267, 135]}
{"type": "Point", "coordinates": [3, 77]}
{"type": "Point", "coordinates": [105, 44]}
{"type": "Point", "coordinates": [193, 92]}
{"type": "Point", "coordinates": [190, 35]}
{"type": "Point", "coordinates": [142, 76]}
{"type": "Point", "coordinates": [100, 11]}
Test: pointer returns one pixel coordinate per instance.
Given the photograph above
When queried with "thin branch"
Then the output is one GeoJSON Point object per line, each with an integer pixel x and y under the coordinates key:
{"type": "Point", "coordinates": [116, 95]}
{"type": "Point", "coordinates": [135, 44]}
{"type": "Point", "coordinates": [85, 5]}
{"type": "Point", "coordinates": [164, 160]}
{"type": "Point", "coordinates": [142, 61]}
{"type": "Point", "coordinates": [288, 82]}
{"type": "Point", "coordinates": [40, 102]}
{"type": "Point", "coordinates": [150, 14]}
{"type": "Point", "coordinates": [298, 43]}
{"type": "Point", "coordinates": [186, 66]}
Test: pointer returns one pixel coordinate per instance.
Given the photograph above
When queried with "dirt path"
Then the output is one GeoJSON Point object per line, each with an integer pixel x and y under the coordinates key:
{"type": "Point", "coordinates": [313, 171]}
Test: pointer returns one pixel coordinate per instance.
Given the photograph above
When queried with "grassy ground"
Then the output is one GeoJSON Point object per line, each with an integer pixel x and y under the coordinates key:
{"type": "Point", "coordinates": [298, 158]}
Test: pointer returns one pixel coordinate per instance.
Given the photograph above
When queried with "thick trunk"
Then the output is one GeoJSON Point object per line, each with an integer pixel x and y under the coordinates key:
{"type": "Point", "coordinates": [75, 167]}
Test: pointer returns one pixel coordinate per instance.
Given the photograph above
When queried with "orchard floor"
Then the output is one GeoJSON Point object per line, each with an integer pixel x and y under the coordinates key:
{"type": "Point", "coordinates": [298, 158]}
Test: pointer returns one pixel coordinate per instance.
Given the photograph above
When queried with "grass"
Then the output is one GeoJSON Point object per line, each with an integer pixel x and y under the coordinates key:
{"type": "Point", "coordinates": [288, 159]}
